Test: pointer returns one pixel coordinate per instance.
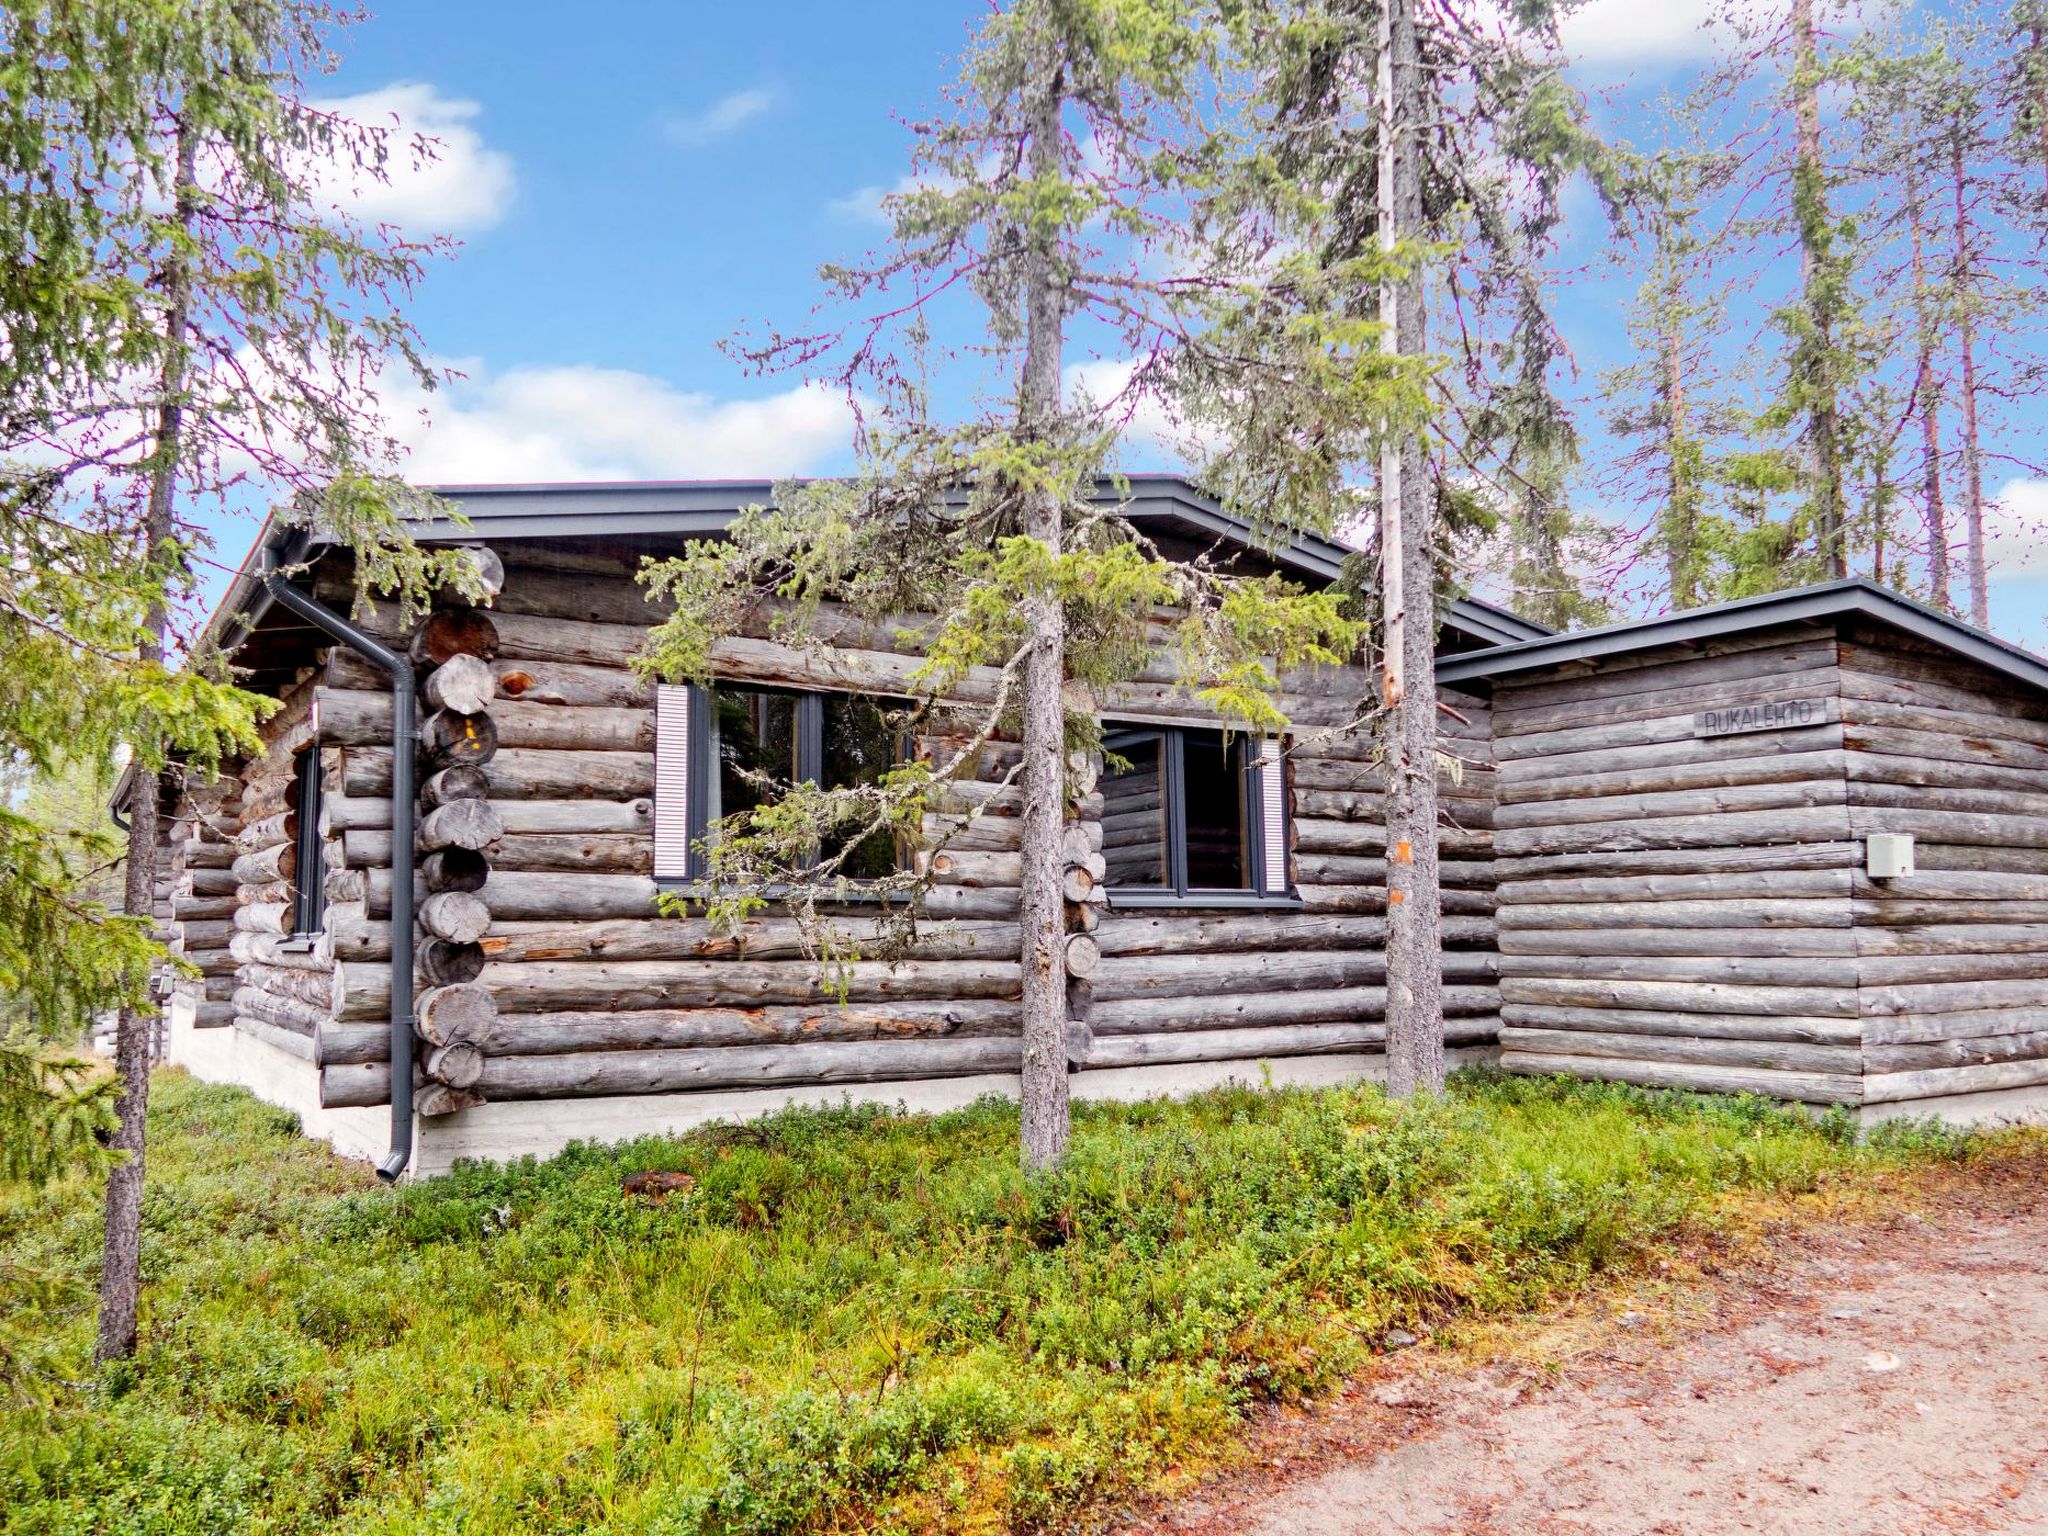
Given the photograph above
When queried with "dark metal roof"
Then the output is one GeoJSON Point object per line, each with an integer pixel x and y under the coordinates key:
{"type": "Point", "coordinates": [687, 507]}
{"type": "Point", "coordinates": [1854, 598]}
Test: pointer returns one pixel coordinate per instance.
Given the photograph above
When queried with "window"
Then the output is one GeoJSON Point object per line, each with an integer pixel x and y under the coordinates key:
{"type": "Point", "coordinates": [309, 885]}
{"type": "Point", "coordinates": [1193, 816]}
{"type": "Point", "coordinates": [729, 749]}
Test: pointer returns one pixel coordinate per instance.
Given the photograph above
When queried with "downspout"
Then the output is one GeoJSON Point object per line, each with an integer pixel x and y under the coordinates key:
{"type": "Point", "coordinates": [404, 743]}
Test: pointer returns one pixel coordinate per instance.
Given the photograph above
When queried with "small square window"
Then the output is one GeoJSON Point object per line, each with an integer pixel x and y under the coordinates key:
{"type": "Point", "coordinates": [731, 749]}
{"type": "Point", "coordinates": [1188, 813]}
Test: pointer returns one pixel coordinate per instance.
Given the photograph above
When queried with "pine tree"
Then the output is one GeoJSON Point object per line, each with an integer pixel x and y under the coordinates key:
{"type": "Point", "coordinates": [1403, 187]}
{"type": "Point", "coordinates": [1668, 405]}
{"type": "Point", "coordinates": [194, 321]}
{"type": "Point", "coordinates": [1049, 194]}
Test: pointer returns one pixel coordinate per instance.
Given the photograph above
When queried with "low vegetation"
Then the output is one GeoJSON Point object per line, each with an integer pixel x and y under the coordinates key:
{"type": "Point", "coordinates": [824, 1321]}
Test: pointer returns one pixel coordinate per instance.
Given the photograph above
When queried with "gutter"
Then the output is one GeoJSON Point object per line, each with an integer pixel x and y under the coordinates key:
{"type": "Point", "coordinates": [404, 738]}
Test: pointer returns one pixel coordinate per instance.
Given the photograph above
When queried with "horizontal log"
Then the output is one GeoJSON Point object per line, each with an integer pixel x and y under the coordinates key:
{"type": "Point", "coordinates": [454, 631]}
{"type": "Point", "coordinates": [1954, 827]}
{"type": "Point", "coordinates": [1611, 862]}
{"type": "Point", "coordinates": [1895, 1087]}
{"type": "Point", "coordinates": [277, 862]}
{"type": "Point", "coordinates": [624, 853]}
{"type": "Point", "coordinates": [263, 917]}
{"type": "Point", "coordinates": [1158, 933]}
{"type": "Point", "coordinates": [340, 814]}
{"type": "Point", "coordinates": [1746, 970]}
{"type": "Point", "coordinates": [538, 986]}
{"type": "Point", "coordinates": [190, 910]}
{"type": "Point", "coordinates": [291, 1041]}
{"type": "Point", "coordinates": [464, 685]}
{"type": "Point", "coordinates": [454, 869]}
{"type": "Point", "coordinates": [282, 1013]}
{"type": "Point", "coordinates": [1210, 975]}
{"type": "Point", "coordinates": [1839, 1001]}
{"type": "Point", "coordinates": [573, 685]}
{"type": "Point", "coordinates": [1312, 835]}
{"type": "Point", "coordinates": [459, 1065]}
{"type": "Point", "coordinates": [1802, 888]}
{"type": "Point", "coordinates": [1731, 942]}
{"type": "Point", "coordinates": [598, 1073]}
{"type": "Point", "coordinates": [360, 1086]}
{"type": "Point", "coordinates": [1954, 996]}
{"type": "Point", "coordinates": [1973, 1051]}
{"type": "Point", "coordinates": [463, 1013]}
{"type": "Point", "coordinates": [1819, 764]}
{"type": "Point", "coordinates": [1804, 1087]}
{"type": "Point", "coordinates": [447, 738]}
{"type": "Point", "coordinates": [1742, 802]}
{"type": "Point", "coordinates": [529, 774]}
{"type": "Point", "coordinates": [1713, 1026]}
{"type": "Point", "coordinates": [763, 938]}
{"type": "Point", "coordinates": [1322, 1005]}
{"type": "Point", "coordinates": [541, 1034]}
{"type": "Point", "coordinates": [460, 917]}
{"type": "Point", "coordinates": [1810, 824]}
{"type": "Point", "coordinates": [1961, 939]}
{"type": "Point", "coordinates": [1771, 1055]}
{"type": "Point", "coordinates": [1962, 1024]}
{"type": "Point", "coordinates": [470, 824]}
{"type": "Point", "coordinates": [457, 782]}
{"type": "Point", "coordinates": [1760, 915]}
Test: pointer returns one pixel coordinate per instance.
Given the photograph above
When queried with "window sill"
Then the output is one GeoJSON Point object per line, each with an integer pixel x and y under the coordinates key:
{"type": "Point", "coordinates": [300, 943]}
{"type": "Point", "coordinates": [1233, 901]}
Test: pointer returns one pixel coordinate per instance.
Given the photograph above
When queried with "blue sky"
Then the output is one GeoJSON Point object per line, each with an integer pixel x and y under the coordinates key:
{"type": "Point", "coordinates": [632, 182]}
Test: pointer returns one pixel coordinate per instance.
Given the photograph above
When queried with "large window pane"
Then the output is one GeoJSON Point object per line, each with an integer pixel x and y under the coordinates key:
{"type": "Point", "coordinates": [1215, 785]}
{"type": "Point", "coordinates": [1134, 811]}
{"type": "Point", "coordinates": [859, 744]}
{"type": "Point", "coordinates": [756, 743]}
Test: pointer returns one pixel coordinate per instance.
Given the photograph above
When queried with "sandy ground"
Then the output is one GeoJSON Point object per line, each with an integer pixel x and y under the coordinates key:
{"type": "Point", "coordinates": [1862, 1379]}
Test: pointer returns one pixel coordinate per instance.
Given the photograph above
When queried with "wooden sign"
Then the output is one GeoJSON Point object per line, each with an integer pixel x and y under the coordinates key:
{"type": "Point", "coordinates": [1791, 715]}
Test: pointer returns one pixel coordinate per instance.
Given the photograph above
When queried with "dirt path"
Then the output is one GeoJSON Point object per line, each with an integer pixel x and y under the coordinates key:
{"type": "Point", "coordinates": [1885, 1380]}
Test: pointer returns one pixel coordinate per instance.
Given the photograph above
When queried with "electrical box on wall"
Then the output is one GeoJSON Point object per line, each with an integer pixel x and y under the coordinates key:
{"type": "Point", "coordinates": [1888, 855]}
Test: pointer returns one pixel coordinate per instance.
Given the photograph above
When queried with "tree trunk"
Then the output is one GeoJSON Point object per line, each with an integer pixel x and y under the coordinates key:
{"type": "Point", "coordinates": [1044, 1093]}
{"type": "Point", "coordinates": [1415, 1004]}
{"type": "Point", "coordinates": [1973, 460]}
{"type": "Point", "coordinates": [121, 1259]}
{"type": "Point", "coordinates": [1681, 512]}
{"type": "Point", "coordinates": [1815, 353]}
{"type": "Point", "coordinates": [1927, 398]}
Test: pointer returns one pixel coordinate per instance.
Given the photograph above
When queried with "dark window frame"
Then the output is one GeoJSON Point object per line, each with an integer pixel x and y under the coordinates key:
{"type": "Point", "coordinates": [309, 879]}
{"type": "Point", "coordinates": [809, 729]}
{"type": "Point", "coordinates": [1178, 892]}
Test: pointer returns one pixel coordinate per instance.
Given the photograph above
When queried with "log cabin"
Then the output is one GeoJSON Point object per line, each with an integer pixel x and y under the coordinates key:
{"type": "Point", "coordinates": [1795, 845]}
{"type": "Point", "coordinates": [453, 949]}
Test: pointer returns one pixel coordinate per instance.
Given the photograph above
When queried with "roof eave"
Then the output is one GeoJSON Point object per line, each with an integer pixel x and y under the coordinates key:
{"type": "Point", "coordinates": [1854, 598]}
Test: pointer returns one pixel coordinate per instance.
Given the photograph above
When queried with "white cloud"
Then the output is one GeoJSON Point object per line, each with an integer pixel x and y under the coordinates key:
{"type": "Point", "coordinates": [440, 177]}
{"type": "Point", "coordinates": [1151, 435]}
{"type": "Point", "coordinates": [725, 115]}
{"type": "Point", "coordinates": [864, 204]}
{"type": "Point", "coordinates": [1608, 32]}
{"type": "Point", "coordinates": [581, 422]}
{"type": "Point", "coordinates": [2015, 529]}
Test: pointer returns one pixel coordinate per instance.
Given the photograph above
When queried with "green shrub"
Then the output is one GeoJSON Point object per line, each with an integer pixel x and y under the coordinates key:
{"type": "Point", "coordinates": [853, 1319]}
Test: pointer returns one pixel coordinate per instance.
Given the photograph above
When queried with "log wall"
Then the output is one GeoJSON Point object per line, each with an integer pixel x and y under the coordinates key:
{"type": "Point", "coordinates": [1675, 910]}
{"type": "Point", "coordinates": [564, 981]}
{"type": "Point", "coordinates": [1953, 961]}
{"type": "Point", "coordinates": [1694, 912]}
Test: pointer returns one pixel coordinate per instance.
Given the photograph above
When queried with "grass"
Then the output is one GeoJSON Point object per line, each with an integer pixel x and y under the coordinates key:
{"type": "Point", "coordinates": [854, 1321]}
